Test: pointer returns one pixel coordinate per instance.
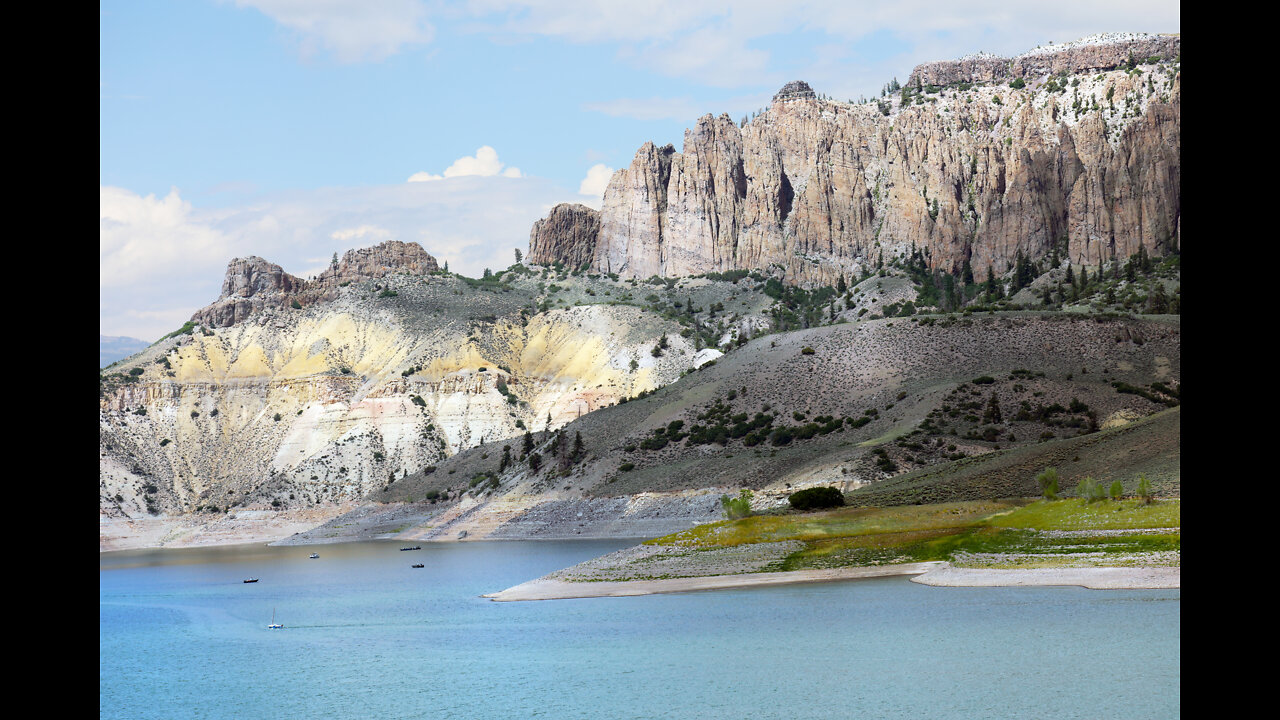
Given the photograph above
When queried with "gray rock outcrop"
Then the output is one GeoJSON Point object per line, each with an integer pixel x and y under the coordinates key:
{"type": "Point", "coordinates": [1088, 164]}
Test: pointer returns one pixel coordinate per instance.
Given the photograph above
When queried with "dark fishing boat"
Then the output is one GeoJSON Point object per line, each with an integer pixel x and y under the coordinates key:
{"type": "Point", "coordinates": [415, 547]}
{"type": "Point", "coordinates": [251, 580]}
{"type": "Point", "coordinates": [419, 565]}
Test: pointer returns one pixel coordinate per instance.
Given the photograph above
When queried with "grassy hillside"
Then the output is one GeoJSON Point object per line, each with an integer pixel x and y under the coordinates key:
{"type": "Point", "coordinates": [1150, 446]}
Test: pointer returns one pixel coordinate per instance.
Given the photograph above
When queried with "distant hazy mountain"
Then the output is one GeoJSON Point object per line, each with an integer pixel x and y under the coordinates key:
{"type": "Point", "coordinates": [111, 349]}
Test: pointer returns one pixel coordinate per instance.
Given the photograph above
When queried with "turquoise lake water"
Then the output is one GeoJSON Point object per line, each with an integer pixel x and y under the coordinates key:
{"type": "Point", "coordinates": [366, 636]}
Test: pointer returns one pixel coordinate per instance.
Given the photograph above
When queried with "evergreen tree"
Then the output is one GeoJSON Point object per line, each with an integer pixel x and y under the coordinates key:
{"type": "Point", "coordinates": [992, 414]}
{"type": "Point", "coordinates": [966, 273]}
{"type": "Point", "coordinates": [1157, 300]}
{"type": "Point", "coordinates": [528, 442]}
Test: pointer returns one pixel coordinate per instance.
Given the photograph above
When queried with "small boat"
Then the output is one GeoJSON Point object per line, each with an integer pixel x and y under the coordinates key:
{"type": "Point", "coordinates": [419, 565]}
{"type": "Point", "coordinates": [315, 555]}
{"type": "Point", "coordinates": [251, 580]}
{"type": "Point", "coordinates": [415, 547]}
{"type": "Point", "coordinates": [274, 625]}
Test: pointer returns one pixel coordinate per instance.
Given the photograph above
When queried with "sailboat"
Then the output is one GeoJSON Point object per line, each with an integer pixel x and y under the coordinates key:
{"type": "Point", "coordinates": [274, 625]}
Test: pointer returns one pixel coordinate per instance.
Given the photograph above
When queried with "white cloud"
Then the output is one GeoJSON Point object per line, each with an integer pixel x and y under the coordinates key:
{"type": "Point", "coordinates": [353, 30]}
{"type": "Point", "coordinates": [364, 232]}
{"type": "Point", "coordinates": [141, 236]}
{"type": "Point", "coordinates": [484, 163]}
{"type": "Point", "coordinates": [161, 259]}
{"type": "Point", "coordinates": [727, 44]}
{"type": "Point", "coordinates": [596, 181]}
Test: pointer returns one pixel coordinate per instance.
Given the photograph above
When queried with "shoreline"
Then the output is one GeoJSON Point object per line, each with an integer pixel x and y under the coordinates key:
{"type": "Point", "coordinates": [1093, 578]}
{"type": "Point", "coordinates": [935, 574]}
{"type": "Point", "coordinates": [551, 589]}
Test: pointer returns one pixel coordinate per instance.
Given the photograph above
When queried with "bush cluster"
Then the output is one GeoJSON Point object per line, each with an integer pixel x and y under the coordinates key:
{"type": "Point", "coordinates": [816, 498]}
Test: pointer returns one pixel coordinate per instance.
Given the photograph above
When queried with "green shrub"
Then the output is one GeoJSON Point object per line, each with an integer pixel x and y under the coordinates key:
{"type": "Point", "coordinates": [1048, 481]}
{"type": "Point", "coordinates": [816, 498]}
{"type": "Point", "coordinates": [1144, 490]}
{"type": "Point", "coordinates": [807, 351]}
{"type": "Point", "coordinates": [738, 507]}
{"type": "Point", "coordinates": [1117, 490]}
{"type": "Point", "coordinates": [627, 467]}
{"type": "Point", "coordinates": [1091, 490]}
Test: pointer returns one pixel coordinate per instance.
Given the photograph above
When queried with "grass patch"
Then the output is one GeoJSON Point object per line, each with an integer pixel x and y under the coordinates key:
{"type": "Point", "coordinates": [842, 523]}
{"type": "Point", "coordinates": [986, 533]}
{"type": "Point", "coordinates": [1103, 515]}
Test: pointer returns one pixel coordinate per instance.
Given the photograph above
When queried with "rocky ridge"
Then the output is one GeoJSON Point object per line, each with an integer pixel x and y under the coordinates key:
{"type": "Point", "coordinates": [325, 403]}
{"type": "Point", "coordinates": [252, 284]}
{"type": "Point", "coordinates": [977, 171]}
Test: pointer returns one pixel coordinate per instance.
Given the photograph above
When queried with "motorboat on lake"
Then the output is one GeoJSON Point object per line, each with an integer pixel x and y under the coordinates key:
{"type": "Point", "coordinates": [419, 565]}
{"type": "Point", "coordinates": [251, 580]}
{"type": "Point", "coordinates": [315, 555]}
{"type": "Point", "coordinates": [415, 547]}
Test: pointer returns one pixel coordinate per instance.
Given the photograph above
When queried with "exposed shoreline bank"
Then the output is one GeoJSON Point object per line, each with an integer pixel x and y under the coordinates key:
{"type": "Point", "coordinates": [1094, 578]}
{"type": "Point", "coordinates": [552, 589]}
{"type": "Point", "coordinates": [937, 574]}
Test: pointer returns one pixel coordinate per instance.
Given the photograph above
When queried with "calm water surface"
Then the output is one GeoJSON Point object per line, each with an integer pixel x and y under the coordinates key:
{"type": "Point", "coordinates": [181, 636]}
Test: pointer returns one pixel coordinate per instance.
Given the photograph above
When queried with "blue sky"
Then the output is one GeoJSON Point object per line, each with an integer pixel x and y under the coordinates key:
{"type": "Point", "coordinates": [289, 128]}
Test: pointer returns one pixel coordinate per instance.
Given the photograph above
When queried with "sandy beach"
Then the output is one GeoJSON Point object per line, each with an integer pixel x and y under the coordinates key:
{"type": "Point", "coordinates": [551, 589]}
{"type": "Point", "coordinates": [939, 574]}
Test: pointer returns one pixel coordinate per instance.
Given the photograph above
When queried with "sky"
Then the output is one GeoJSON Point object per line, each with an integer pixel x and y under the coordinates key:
{"type": "Point", "coordinates": [293, 129]}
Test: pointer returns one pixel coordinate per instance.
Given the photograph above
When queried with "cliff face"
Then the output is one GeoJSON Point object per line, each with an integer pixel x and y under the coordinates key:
{"type": "Point", "coordinates": [1098, 52]}
{"type": "Point", "coordinates": [1089, 161]}
{"type": "Point", "coordinates": [253, 284]}
{"type": "Point", "coordinates": [567, 235]}
{"type": "Point", "coordinates": [312, 406]}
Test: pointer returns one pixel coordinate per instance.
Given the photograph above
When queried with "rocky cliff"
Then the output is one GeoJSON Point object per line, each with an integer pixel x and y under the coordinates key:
{"type": "Point", "coordinates": [566, 235]}
{"type": "Point", "coordinates": [295, 408]}
{"type": "Point", "coordinates": [1067, 147]}
{"type": "Point", "coordinates": [253, 284]}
